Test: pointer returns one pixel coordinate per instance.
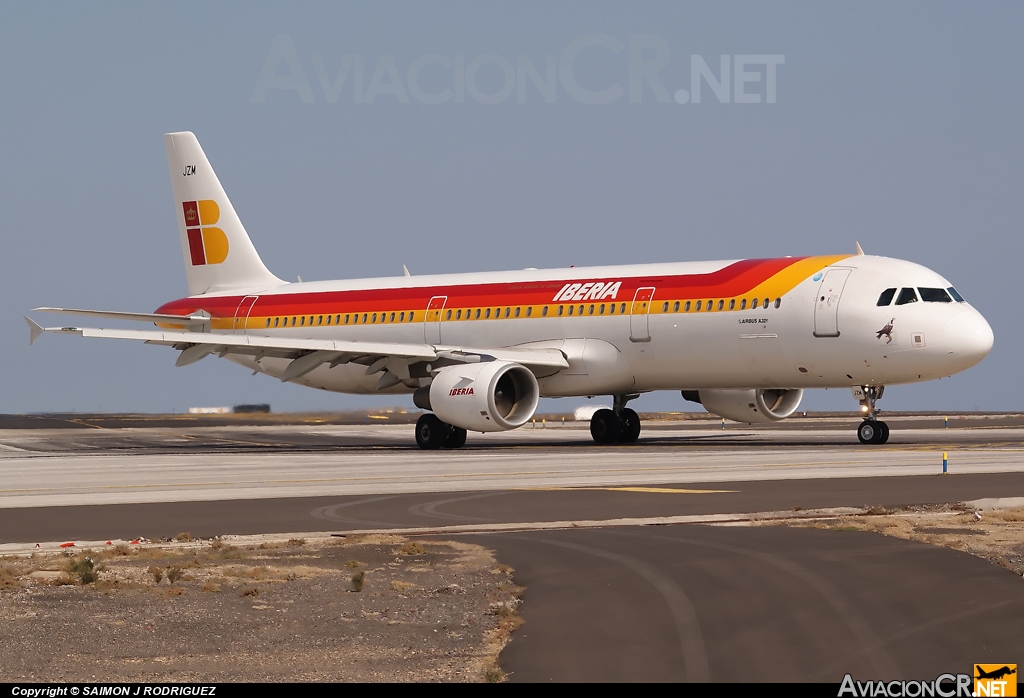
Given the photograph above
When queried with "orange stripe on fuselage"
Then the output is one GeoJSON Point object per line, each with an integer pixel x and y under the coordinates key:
{"type": "Point", "coordinates": [760, 278]}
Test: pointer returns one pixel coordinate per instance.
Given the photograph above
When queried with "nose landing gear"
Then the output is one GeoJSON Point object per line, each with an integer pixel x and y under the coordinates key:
{"type": "Point", "coordinates": [871, 430]}
{"type": "Point", "coordinates": [619, 425]}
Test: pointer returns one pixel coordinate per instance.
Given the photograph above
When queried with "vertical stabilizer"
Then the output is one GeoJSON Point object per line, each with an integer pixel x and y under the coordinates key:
{"type": "Point", "coordinates": [218, 253]}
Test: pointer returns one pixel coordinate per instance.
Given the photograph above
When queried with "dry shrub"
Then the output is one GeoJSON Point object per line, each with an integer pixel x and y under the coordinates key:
{"type": "Point", "coordinates": [210, 586]}
{"type": "Point", "coordinates": [401, 587]}
{"type": "Point", "coordinates": [82, 569]}
{"type": "Point", "coordinates": [251, 591]}
{"type": "Point", "coordinates": [296, 541]}
{"type": "Point", "coordinates": [412, 548]}
{"type": "Point", "coordinates": [157, 573]}
{"type": "Point", "coordinates": [184, 537]}
{"type": "Point", "coordinates": [353, 564]}
{"type": "Point", "coordinates": [358, 579]}
{"type": "Point", "coordinates": [9, 576]}
{"type": "Point", "coordinates": [174, 574]}
{"type": "Point", "coordinates": [176, 591]}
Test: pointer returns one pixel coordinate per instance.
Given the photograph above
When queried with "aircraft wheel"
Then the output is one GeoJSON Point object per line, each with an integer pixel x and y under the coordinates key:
{"type": "Point", "coordinates": [630, 426]}
{"type": "Point", "coordinates": [431, 432]}
{"type": "Point", "coordinates": [456, 438]}
{"type": "Point", "coordinates": [605, 427]}
{"type": "Point", "coordinates": [885, 432]}
{"type": "Point", "coordinates": [870, 432]}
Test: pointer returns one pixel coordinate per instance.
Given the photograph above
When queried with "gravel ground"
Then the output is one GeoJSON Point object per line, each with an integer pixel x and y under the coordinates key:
{"type": "Point", "coordinates": [996, 535]}
{"type": "Point", "coordinates": [269, 611]}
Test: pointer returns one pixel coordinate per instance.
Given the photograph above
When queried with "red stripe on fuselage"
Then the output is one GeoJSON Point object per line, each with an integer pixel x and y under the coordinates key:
{"type": "Point", "coordinates": [733, 280]}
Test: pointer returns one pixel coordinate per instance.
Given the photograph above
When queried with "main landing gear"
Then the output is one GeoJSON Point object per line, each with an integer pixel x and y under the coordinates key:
{"type": "Point", "coordinates": [872, 430]}
{"type": "Point", "coordinates": [618, 425]}
{"type": "Point", "coordinates": [432, 433]}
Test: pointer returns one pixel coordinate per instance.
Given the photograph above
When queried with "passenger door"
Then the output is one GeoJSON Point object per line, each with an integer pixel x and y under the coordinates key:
{"type": "Point", "coordinates": [639, 314]}
{"type": "Point", "coordinates": [242, 314]}
{"type": "Point", "coordinates": [826, 304]}
{"type": "Point", "coordinates": [432, 320]}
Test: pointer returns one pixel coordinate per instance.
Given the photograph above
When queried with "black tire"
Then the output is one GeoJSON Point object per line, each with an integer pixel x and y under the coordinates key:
{"type": "Point", "coordinates": [885, 432]}
{"type": "Point", "coordinates": [630, 426]}
{"type": "Point", "coordinates": [605, 427]}
{"type": "Point", "coordinates": [456, 438]}
{"type": "Point", "coordinates": [869, 432]}
{"type": "Point", "coordinates": [431, 432]}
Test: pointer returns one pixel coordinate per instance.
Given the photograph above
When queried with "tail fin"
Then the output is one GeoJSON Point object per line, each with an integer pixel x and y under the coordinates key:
{"type": "Point", "coordinates": [218, 253]}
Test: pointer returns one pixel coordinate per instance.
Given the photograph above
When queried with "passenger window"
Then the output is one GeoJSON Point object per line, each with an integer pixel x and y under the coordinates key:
{"type": "Point", "coordinates": [581, 310]}
{"type": "Point", "coordinates": [478, 313]}
{"type": "Point", "coordinates": [517, 312]}
{"type": "Point", "coordinates": [507, 310]}
{"type": "Point", "coordinates": [544, 311]}
{"type": "Point", "coordinates": [411, 316]}
{"type": "Point", "coordinates": [956, 296]}
{"type": "Point", "coordinates": [743, 304]}
{"type": "Point", "coordinates": [529, 311]}
{"type": "Point", "coordinates": [571, 309]}
{"type": "Point", "coordinates": [698, 304]}
{"type": "Point", "coordinates": [686, 308]}
{"type": "Point", "coordinates": [600, 310]}
{"type": "Point", "coordinates": [401, 317]}
{"type": "Point", "coordinates": [934, 295]}
{"type": "Point", "coordinates": [320, 320]}
{"type": "Point", "coordinates": [664, 308]}
{"type": "Point", "coordinates": [561, 308]}
{"type": "Point", "coordinates": [328, 319]}
{"type": "Point", "coordinates": [778, 302]}
{"type": "Point", "coordinates": [611, 309]}
{"type": "Point", "coordinates": [458, 314]}
{"type": "Point", "coordinates": [337, 319]}
{"type": "Point", "coordinates": [732, 304]}
{"type": "Point", "coordinates": [886, 297]}
{"type": "Point", "coordinates": [302, 321]}
{"type": "Point", "coordinates": [364, 318]}
{"type": "Point", "coordinates": [766, 302]}
{"type": "Point", "coordinates": [709, 306]}
{"type": "Point", "coordinates": [675, 307]}
{"type": "Point", "coordinates": [487, 314]}
{"type": "Point", "coordinates": [277, 322]}
{"type": "Point", "coordinates": [448, 316]}
{"type": "Point", "coordinates": [375, 317]}
{"type": "Point", "coordinates": [392, 317]}
{"type": "Point", "coordinates": [907, 295]}
{"type": "Point", "coordinates": [721, 304]}
{"type": "Point", "coordinates": [268, 322]}
{"type": "Point", "coordinates": [622, 308]}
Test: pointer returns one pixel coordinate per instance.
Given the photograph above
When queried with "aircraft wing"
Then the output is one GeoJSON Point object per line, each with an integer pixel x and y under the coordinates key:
{"type": "Point", "coordinates": [395, 359]}
{"type": "Point", "coordinates": [196, 319]}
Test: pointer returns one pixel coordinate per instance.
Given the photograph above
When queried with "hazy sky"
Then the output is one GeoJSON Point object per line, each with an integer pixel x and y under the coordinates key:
{"type": "Point", "coordinates": [355, 138]}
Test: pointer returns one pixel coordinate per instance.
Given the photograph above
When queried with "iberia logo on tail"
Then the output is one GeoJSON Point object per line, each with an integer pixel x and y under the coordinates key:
{"type": "Point", "coordinates": [206, 245]}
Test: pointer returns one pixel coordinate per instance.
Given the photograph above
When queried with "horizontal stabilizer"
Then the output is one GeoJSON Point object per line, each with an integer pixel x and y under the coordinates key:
{"type": "Point", "coordinates": [188, 320]}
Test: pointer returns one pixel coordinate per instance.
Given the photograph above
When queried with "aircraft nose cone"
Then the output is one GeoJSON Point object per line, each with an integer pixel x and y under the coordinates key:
{"type": "Point", "coordinates": [968, 335]}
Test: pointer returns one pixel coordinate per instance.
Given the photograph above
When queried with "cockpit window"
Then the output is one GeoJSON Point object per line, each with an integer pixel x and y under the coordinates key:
{"type": "Point", "coordinates": [907, 295]}
{"type": "Point", "coordinates": [934, 295]}
{"type": "Point", "coordinates": [956, 296]}
{"type": "Point", "coordinates": [886, 297]}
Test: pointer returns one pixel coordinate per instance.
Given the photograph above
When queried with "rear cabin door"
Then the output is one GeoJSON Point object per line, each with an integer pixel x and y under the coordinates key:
{"type": "Point", "coordinates": [639, 315]}
{"type": "Point", "coordinates": [432, 320]}
{"type": "Point", "coordinates": [238, 325]}
{"type": "Point", "coordinates": [826, 304]}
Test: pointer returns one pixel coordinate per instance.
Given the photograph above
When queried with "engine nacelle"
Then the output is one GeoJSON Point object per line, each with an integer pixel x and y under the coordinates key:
{"type": "Point", "coordinates": [487, 396]}
{"type": "Point", "coordinates": [760, 405]}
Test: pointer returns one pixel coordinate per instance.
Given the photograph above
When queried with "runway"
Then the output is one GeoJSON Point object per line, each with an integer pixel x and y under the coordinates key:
{"type": "Point", "coordinates": [689, 602]}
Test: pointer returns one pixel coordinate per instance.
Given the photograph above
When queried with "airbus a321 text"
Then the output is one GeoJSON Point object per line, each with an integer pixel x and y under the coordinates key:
{"type": "Point", "coordinates": [743, 338]}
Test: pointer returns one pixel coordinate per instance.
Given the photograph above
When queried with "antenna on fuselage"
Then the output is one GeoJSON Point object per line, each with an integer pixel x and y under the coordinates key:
{"type": "Point", "coordinates": [405, 270]}
{"type": "Point", "coordinates": [860, 250]}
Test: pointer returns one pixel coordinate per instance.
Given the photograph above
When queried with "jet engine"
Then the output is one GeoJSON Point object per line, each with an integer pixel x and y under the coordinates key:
{"type": "Point", "coordinates": [487, 396]}
{"type": "Point", "coordinates": [758, 405]}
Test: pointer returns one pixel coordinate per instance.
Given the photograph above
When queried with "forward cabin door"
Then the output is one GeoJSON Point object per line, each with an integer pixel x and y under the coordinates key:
{"type": "Point", "coordinates": [242, 312]}
{"type": "Point", "coordinates": [432, 320]}
{"type": "Point", "coordinates": [639, 315]}
{"type": "Point", "coordinates": [826, 304]}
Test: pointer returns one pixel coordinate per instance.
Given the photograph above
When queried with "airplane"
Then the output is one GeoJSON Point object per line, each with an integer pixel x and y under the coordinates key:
{"type": "Point", "coordinates": [744, 338]}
